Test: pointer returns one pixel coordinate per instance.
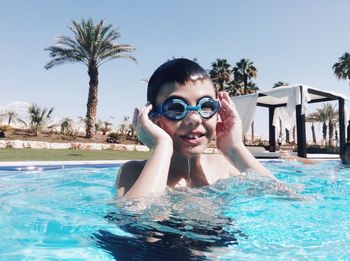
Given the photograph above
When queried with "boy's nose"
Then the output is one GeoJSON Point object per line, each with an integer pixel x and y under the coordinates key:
{"type": "Point", "coordinates": [193, 117]}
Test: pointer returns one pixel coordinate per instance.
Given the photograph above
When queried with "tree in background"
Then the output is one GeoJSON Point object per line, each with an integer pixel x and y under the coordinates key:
{"type": "Point", "coordinates": [12, 116]}
{"type": "Point", "coordinates": [251, 87]}
{"type": "Point", "coordinates": [220, 74]}
{"type": "Point", "coordinates": [234, 88]}
{"type": "Point", "coordinates": [332, 116]}
{"type": "Point", "coordinates": [328, 116]}
{"type": "Point", "coordinates": [279, 84]}
{"type": "Point", "coordinates": [342, 67]}
{"type": "Point", "coordinates": [92, 45]}
{"type": "Point", "coordinates": [67, 126]}
{"type": "Point", "coordinates": [124, 128]}
{"type": "Point", "coordinates": [38, 117]}
{"type": "Point", "coordinates": [244, 71]}
{"type": "Point", "coordinates": [124, 131]}
{"type": "Point", "coordinates": [312, 117]}
{"type": "Point", "coordinates": [103, 126]}
{"type": "Point", "coordinates": [236, 81]}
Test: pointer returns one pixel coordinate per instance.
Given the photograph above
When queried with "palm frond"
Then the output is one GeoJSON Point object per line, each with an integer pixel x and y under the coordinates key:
{"type": "Point", "coordinates": [91, 44]}
{"type": "Point", "coordinates": [342, 67]}
{"type": "Point", "coordinates": [117, 56]}
{"type": "Point", "coordinates": [60, 61]}
{"type": "Point", "coordinates": [118, 51]}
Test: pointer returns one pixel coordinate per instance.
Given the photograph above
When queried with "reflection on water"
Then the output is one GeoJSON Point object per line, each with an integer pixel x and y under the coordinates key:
{"type": "Point", "coordinates": [183, 224]}
{"type": "Point", "coordinates": [173, 238]}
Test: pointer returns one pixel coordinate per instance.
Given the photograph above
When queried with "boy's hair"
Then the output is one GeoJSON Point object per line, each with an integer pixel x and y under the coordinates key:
{"type": "Point", "coordinates": [177, 71]}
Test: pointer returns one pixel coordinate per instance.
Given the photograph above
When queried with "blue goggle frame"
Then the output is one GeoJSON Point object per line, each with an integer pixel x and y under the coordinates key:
{"type": "Point", "coordinates": [177, 109]}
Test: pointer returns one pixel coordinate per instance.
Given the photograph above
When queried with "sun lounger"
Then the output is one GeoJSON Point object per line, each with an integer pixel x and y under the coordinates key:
{"type": "Point", "coordinates": [260, 152]}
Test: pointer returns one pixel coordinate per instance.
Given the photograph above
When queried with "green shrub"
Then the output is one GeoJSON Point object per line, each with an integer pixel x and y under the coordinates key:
{"type": "Point", "coordinates": [113, 137]}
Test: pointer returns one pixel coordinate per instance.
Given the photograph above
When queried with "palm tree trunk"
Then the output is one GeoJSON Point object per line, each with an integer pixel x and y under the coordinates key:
{"type": "Point", "coordinates": [252, 132]}
{"type": "Point", "coordinates": [324, 131]}
{"type": "Point", "coordinates": [294, 140]}
{"type": "Point", "coordinates": [330, 133]}
{"type": "Point", "coordinates": [245, 85]}
{"type": "Point", "coordinates": [36, 130]}
{"type": "Point", "coordinates": [91, 105]}
{"type": "Point", "coordinates": [336, 134]}
{"type": "Point", "coordinates": [221, 88]}
{"type": "Point", "coordinates": [313, 133]}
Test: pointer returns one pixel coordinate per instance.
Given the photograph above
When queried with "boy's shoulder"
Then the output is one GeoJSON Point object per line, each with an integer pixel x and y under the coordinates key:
{"type": "Point", "coordinates": [221, 163]}
{"type": "Point", "coordinates": [132, 168]}
{"type": "Point", "coordinates": [128, 174]}
{"type": "Point", "coordinates": [134, 164]}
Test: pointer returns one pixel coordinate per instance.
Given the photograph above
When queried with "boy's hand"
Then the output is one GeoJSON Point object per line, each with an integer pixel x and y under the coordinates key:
{"type": "Point", "coordinates": [149, 133]}
{"type": "Point", "coordinates": [229, 127]}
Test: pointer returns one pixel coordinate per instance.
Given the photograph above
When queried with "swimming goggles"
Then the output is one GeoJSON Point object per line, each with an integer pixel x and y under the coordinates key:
{"type": "Point", "coordinates": [176, 109]}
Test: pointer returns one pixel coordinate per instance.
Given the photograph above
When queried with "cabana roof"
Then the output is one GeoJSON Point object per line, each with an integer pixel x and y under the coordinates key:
{"type": "Point", "coordinates": [290, 103]}
{"type": "Point", "coordinates": [279, 96]}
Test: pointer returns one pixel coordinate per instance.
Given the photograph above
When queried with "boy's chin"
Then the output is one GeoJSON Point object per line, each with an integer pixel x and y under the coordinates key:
{"type": "Point", "coordinates": [193, 151]}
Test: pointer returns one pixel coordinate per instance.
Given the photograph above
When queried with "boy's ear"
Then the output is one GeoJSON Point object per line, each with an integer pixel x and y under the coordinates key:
{"type": "Point", "coordinates": [158, 122]}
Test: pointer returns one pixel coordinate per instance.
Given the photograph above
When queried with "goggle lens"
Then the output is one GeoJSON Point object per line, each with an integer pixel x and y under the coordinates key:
{"type": "Point", "coordinates": [176, 109]}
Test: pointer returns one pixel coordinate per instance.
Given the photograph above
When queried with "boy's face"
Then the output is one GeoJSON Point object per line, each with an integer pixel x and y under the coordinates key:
{"type": "Point", "coordinates": [192, 134]}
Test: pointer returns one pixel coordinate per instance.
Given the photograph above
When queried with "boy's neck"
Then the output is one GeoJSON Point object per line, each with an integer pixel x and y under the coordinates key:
{"type": "Point", "coordinates": [188, 168]}
{"type": "Point", "coordinates": [180, 162]}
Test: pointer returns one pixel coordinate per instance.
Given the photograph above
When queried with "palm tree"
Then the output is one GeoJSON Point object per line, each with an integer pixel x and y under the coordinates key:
{"type": "Point", "coordinates": [66, 125]}
{"type": "Point", "coordinates": [244, 71]}
{"type": "Point", "coordinates": [12, 116]}
{"type": "Point", "coordinates": [322, 117]}
{"type": "Point", "coordinates": [92, 45]}
{"type": "Point", "coordinates": [234, 88]}
{"type": "Point", "coordinates": [325, 115]}
{"type": "Point", "coordinates": [279, 84]}
{"type": "Point", "coordinates": [332, 116]}
{"type": "Point", "coordinates": [312, 117]}
{"type": "Point", "coordinates": [342, 67]}
{"type": "Point", "coordinates": [125, 125]}
{"type": "Point", "coordinates": [103, 126]}
{"type": "Point", "coordinates": [220, 73]}
{"type": "Point", "coordinates": [38, 117]}
{"type": "Point", "coordinates": [251, 87]}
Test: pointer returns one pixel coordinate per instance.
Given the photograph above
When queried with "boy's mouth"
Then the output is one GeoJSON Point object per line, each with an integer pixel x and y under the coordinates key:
{"type": "Point", "coordinates": [192, 137]}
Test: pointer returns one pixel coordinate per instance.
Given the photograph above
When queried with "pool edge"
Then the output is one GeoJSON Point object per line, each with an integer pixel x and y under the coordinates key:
{"type": "Point", "coordinates": [47, 165]}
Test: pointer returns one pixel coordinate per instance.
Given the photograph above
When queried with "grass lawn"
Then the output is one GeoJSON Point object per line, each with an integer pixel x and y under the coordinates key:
{"type": "Point", "coordinates": [9, 154]}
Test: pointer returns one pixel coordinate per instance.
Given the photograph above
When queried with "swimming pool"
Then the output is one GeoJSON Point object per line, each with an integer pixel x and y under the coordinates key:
{"type": "Point", "coordinates": [72, 213]}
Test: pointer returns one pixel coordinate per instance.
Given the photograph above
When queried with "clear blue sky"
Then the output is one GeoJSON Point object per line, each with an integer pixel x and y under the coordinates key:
{"type": "Point", "coordinates": [291, 41]}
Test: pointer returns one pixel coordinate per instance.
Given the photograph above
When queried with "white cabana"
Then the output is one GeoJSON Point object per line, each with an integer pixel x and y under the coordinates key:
{"type": "Point", "coordinates": [289, 103]}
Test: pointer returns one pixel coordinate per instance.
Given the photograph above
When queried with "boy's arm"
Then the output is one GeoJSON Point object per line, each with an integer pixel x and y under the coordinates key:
{"type": "Point", "coordinates": [154, 174]}
{"type": "Point", "coordinates": [152, 178]}
{"type": "Point", "coordinates": [229, 139]}
{"type": "Point", "coordinates": [244, 160]}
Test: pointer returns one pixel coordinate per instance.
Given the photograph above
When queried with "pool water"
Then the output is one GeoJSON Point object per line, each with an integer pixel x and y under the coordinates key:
{"type": "Point", "coordinates": [73, 214]}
